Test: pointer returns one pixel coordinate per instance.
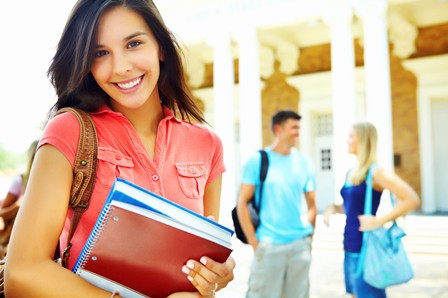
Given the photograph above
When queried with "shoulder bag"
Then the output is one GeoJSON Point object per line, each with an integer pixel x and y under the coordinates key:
{"type": "Point", "coordinates": [254, 208]}
{"type": "Point", "coordinates": [84, 170]}
{"type": "Point", "coordinates": [383, 261]}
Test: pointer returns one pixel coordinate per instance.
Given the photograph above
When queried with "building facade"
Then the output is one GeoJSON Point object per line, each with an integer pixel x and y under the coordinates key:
{"type": "Point", "coordinates": [335, 62]}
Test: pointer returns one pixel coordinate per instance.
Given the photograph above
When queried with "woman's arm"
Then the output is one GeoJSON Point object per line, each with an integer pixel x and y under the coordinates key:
{"type": "Point", "coordinates": [330, 210]}
{"type": "Point", "coordinates": [9, 200]}
{"type": "Point", "coordinates": [212, 198]}
{"type": "Point", "coordinates": [10, 207]}
{"type": "Point", "coordinates": [408, 199]}
{"type": "Point", "coordinates": [30, 269]}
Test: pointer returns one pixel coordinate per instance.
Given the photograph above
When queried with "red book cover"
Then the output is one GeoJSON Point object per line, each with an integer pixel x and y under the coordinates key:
{"type": "Point", "coordinates": [144, 253]}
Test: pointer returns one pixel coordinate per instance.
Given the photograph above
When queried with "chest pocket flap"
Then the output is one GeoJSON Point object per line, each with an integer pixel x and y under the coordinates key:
{"type": "Point", "coordinates": [113, 164]}
{"type": "Point", "coordinates": [192, 178]}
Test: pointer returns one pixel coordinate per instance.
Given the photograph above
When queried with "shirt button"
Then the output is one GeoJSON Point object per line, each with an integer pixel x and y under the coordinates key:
{"type": "Point", "coordinates": [193, 171]}
{"type": "Point", "coordinates": [155, 177]}
{"type": "Point", "coordinates": [117, 157]}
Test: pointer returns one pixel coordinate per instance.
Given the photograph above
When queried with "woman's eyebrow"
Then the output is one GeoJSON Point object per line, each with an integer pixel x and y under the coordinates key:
{"type": "Point", "coordinates": [134, 35]}
{"type": "Point", "coordinates": [127, 38]}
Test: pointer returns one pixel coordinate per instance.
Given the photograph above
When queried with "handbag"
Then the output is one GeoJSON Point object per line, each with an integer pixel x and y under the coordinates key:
{"type": "Point", "coordinates": [254, 208]}
{"type": "Point", "coordinates": [383, 260]}
{"type": "Point", "coordinates": [84, 170]}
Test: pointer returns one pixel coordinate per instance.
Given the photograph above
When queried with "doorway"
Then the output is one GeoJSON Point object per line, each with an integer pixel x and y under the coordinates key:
{"type": "Point", "coordinates": [322, 155]}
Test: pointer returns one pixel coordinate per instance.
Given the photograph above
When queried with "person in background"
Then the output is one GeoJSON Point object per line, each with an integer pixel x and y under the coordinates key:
{"type": "Point", "coordinates": [282, 242]}
{"type": "Point", "coordinates": [118, 61]}
{"type": "Point", "coordinates": [362, 142]}
{"type": "Point", "coordinates": [11, 203]}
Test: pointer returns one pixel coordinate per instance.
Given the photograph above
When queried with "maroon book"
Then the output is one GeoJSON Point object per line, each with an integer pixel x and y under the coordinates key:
{"type": "Point", "coordinates": [140, 252]}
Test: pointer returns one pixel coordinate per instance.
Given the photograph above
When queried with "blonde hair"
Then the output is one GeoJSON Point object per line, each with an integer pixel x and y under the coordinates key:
{"type": "Point", "coordinates": [31, 152]}
{"type": "Point", "coordinates": [366, 152]}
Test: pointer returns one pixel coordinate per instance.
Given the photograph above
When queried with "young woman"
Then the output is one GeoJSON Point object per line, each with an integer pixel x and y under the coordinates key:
{"type": "Point", "coordinates": [117, 60]}
{"type": "Point", "coordinates": [362, 142]}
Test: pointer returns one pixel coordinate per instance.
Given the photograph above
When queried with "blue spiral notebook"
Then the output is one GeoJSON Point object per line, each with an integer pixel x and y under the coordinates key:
{"type": "Point", "coordinates": [141, 241]}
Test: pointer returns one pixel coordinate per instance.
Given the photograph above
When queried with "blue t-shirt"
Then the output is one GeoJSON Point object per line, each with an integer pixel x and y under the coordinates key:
{"type": "Point", "coordinates": [354, 201]}
{"type": "Point", "coordinates": [288, 178]}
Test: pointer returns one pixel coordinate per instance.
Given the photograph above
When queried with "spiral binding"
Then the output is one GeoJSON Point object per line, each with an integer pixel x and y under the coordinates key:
{"type": "Point", "coordinates": [102, 220]}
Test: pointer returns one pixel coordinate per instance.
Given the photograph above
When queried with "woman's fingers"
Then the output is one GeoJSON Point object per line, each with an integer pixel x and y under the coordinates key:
{"type": "Point", "coordinates": [208, 275]}
{"type": "Point", "coordinates": [203, 279]}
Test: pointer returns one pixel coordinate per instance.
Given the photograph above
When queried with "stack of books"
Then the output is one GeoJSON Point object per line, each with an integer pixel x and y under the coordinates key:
{"type": "Point", "coordinates": [141, 241]}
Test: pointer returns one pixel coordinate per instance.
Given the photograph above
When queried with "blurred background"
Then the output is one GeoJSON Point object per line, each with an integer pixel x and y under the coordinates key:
{"type": "Point", "coordinates": [333, 61]}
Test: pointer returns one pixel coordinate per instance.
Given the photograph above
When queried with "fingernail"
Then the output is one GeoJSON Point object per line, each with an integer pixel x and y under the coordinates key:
{"type": "Point", "coordinates": [203, 260]}
{"type": "Point", "coordinates": [190, 265]}
{"type": "Point", "coordinates": [185, 270]}
{"type": "Point", "coordinates": [190, 278]}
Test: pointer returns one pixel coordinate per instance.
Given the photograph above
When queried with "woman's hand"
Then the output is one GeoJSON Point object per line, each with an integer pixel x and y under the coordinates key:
{"type": "Point", "coordinates": [209, 276]}
{"type": "Point", "coordinates": [369, 222]}
{"type": "Point", "coordinates": [329, 211]}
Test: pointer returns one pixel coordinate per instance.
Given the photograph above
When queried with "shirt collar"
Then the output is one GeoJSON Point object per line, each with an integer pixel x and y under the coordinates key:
{"type": "Point", "coordinates": [105, 109]}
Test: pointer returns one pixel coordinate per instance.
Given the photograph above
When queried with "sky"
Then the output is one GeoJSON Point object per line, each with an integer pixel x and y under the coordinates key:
{"type": "Point", "coordinates": [29, 32]}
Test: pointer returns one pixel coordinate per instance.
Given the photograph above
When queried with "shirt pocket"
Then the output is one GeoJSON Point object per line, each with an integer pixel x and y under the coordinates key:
{"type": "Point", "coordinates": [113, 164]}
{"type": "Point", "coordinates": [192, 178]}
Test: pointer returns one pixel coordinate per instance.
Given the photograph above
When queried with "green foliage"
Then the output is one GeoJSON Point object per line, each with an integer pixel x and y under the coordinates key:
{"type": "Point", "coordinates": [9, 160]}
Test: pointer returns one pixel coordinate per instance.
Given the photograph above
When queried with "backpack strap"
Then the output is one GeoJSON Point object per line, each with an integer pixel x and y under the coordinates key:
{"type": "Point", "coordinates": [84, 170]}
{"type": "Point", "coordinates": [263, 173]}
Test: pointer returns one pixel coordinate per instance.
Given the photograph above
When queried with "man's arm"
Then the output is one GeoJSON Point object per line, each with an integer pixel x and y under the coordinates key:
{"type": "Point", "coordinates": [312, 208]}
{"type": "Point", "coordinates": [245, 194]}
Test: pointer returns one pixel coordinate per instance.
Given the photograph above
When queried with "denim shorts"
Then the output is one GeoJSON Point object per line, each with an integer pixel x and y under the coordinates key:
{"type": "Point", "coordinates": [356, 285]}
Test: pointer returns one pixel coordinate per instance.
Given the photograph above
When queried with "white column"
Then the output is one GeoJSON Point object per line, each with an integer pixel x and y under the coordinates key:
{"type": "Point", "coordinates": [339, 16]}
{"type": "Point", "coordinates": [223, 82]}
{"type": "Point", "coordinates": [377, 72]}
{"type": "Point", "coordinates": [250, 91]}
{"type": "Point", "coordinates": [432, 83]}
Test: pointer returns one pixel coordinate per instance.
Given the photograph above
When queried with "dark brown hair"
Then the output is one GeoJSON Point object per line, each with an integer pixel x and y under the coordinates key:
{"type": "Point", "coordinates": [70, 74]}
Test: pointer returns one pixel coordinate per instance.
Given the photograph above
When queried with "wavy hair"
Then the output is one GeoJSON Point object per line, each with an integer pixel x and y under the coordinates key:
{"type": "Point", "coordinates": [367, 150]}
{"type": "Point", "coordinates": [70, 74]}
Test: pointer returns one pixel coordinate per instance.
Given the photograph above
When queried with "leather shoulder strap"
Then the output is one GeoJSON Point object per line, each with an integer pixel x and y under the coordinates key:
{"type": "Point", "coordinates": [84, 170]}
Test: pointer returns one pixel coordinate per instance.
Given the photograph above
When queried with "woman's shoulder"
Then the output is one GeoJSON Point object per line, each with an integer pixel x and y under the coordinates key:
{"type": "Point", "coordinates": [379, 171]}
{"type": "Point", "coordinates": [62, 131]}
{"type": "Point", "coordinates": [198, 131]}
{"type": "Point", "coordinates": [382, 177]}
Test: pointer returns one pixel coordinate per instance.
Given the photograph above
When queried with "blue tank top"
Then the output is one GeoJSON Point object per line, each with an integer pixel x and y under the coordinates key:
{"type": "Point", "coordinates": [354, 199]}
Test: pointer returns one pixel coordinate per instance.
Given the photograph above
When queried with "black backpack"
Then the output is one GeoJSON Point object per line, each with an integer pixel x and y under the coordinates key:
{"type": "Point", "coordinates": [254, 208]}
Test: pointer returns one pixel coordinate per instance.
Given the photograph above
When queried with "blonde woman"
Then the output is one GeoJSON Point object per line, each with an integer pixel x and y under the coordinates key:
{"type": "Point", "coordinates": [362, 142]}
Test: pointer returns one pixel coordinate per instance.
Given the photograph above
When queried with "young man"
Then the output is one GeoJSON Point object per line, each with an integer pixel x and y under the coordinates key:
{"type": "Point", "coordinates": [282, 242]}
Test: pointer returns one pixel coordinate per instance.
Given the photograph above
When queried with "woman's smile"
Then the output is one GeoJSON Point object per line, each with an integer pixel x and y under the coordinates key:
{"type": "Point", "coordinates": [129, 85]}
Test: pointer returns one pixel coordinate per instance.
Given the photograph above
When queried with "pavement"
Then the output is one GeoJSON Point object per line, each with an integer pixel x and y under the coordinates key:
{"type": "Point", "coordinates": [426, 243]}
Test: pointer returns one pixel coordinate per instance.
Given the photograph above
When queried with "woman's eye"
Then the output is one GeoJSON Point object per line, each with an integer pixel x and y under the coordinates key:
{"type": "Point", "coordinates": [134, 44]}
{"type": "Point", "coordinates": [100, 53]}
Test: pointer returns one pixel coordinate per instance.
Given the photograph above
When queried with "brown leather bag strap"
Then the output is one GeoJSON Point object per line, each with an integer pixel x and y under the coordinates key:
{"type": "Point", "coordinates": [84, 170]}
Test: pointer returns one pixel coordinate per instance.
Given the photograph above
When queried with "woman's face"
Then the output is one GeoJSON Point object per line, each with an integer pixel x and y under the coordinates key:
{"type": "Point", "coordinates": [126, 63]}
{"type": "Point", "coordinates": [352, 142]}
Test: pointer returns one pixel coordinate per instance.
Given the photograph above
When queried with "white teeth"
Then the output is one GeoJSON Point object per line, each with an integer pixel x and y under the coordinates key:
{"type": "Point", "coordinates": [129, 84]}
